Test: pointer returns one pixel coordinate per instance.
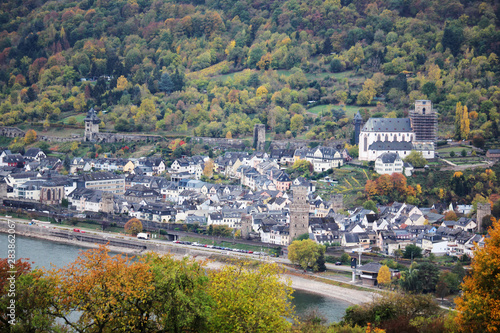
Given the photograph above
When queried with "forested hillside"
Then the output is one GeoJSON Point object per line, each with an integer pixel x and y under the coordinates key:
{"type": "Point", "coordinates": [218, 66]}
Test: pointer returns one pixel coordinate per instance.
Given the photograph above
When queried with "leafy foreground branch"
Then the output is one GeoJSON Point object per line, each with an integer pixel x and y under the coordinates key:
{"type": "Point", "coordinates": [103, 293]}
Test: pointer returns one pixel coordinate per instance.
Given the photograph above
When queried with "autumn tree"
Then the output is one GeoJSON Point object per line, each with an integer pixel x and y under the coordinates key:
{"type": "Point", "coordinates": [104, 292]}
{"type": "Point", "coordinates": [121, 83]}
{"type": "Point", "coordinates": [366, 95]}
{"type": "Point", "coordinates": [384, 276]}
{"type": "Point", "coordinates": [478, 307]}
{"type": "Point", "coordinates": [133, 226]}
{"type": "Point", "coordinates": [208, 170]}
{"type": "Point", "coordinates": [450, 216]}
{"type": "Point", "coordinates": [250, 300]}
{"type": "Point", "coordinates": [30, 137]}
{"type": "Point", "coordinates": [32, 291]}
{"type": "Point", "coordinates": [462, 121]}
{"type": "Point", "coordinates": [304, 253]}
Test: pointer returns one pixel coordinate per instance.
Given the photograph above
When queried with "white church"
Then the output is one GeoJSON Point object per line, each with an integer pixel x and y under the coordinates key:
{"type": "Point", "coordinates": [399, 135]}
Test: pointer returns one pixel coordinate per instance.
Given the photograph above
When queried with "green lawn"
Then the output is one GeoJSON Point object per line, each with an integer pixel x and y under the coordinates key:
{"type": "Point", "coordinates": [456, 149]}
{"type": "Point", "coordinates": [79, 118]}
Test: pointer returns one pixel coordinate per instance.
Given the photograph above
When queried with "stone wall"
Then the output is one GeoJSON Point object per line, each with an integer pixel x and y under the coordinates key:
{"type": "Point", "coordinates": [220, 142]}
{"type": "Point", "coordinates": [121, 137]}
{"type": "Point", "coordinates": [11, 132]}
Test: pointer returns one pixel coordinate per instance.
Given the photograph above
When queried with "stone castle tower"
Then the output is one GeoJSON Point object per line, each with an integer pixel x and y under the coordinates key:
{"type": "Point", "coordinates": [358, 121]}
{"type": "Point", "coordinates": [483, 209]}
{"type": "Point", "coordinates": [299, 213]}
{"type": "Point", "coordinates": [246, 226]}
{"type": "Point", "coordinates": [107, 203]}
{"type": "Point", "coordinates": [259, 136]}
{"type": "Point", "coordinates": [91, 125]}
{"type": "Point", "coordinates": [337, 202]}
{"type": "Point", "coordinates": [424, 122]}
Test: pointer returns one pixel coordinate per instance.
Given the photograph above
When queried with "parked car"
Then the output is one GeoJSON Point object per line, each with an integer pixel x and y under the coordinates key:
{"type": "Point", "coordinates": [338, 263]}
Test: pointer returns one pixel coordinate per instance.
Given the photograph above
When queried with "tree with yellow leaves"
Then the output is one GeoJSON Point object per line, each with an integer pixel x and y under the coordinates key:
{"type": "Point", "coordinates": [366, 95]}
{"type": "Point", "coordinates": [250, 300]}
{"type": "Point", "coordinates": [208, 170]}
{"type": "Point", "coordinates": [462, 121]}
{"type": "Point", "coordinates": [384, 276]}
{"type": "Point", "coordinates": [121, 83]}
{"type": "Point", "coordinates": [478, 309]}
{"type": "Point", "coordinates": [30, 137]}
{"type": "Point", "coordinates": [261, 91]}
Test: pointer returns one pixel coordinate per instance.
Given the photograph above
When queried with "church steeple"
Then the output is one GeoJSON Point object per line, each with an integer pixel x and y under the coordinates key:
{"type": "Point", "coordinates": [358, 121]}
{"type": "Point", "coordinates": [91, 125]}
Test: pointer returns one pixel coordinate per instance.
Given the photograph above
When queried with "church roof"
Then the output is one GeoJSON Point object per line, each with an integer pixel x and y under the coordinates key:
{"type": "Point", "coordinates": [358, 116]}
{"type": "Point", "coordinates": [387, 125]}
{"type": "Point", "coordinates": [391, 145]}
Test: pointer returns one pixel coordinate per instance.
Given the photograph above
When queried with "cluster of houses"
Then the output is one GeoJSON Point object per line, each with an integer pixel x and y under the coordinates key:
{"type": "Point", "coordinates": [259, 205]}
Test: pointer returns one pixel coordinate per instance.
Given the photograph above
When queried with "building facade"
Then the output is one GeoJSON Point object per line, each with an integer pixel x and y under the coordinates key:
{"type": "Point", "coordinates": [400, 135]}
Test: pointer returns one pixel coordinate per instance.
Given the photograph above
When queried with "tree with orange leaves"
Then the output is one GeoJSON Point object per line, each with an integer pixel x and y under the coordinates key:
{"type": "Point", "coordinates": [105, 293]}
{"type": "Point", "coordinates": [371, 188]}
{"type": "Point", "coordinates": [478, 309]}
{"type": "Point", "coordinates": [399, 181]}
{"type": "Point", "coordinates": [384, 185]}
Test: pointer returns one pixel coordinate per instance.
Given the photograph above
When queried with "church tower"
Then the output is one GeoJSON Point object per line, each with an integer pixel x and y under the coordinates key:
{"type": "Point", "coordinates": [358, 121]}
{"type": "Point", "coordinates": [424, 122]}
{"type": "Point", "coordinates": [91, 125]}
{"type": "Point", "coordinates": [299, 213]}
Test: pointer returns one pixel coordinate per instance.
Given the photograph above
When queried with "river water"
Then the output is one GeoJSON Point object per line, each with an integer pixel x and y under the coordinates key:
{"type": "Point", "coordinates": [43, 253]}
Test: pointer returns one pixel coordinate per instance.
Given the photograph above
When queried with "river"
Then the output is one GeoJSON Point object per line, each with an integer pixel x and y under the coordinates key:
{"type": "Point", "coordinates": [43, 253]}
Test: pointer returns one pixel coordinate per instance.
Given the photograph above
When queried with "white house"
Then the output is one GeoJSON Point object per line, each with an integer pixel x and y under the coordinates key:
{"type": "Point", "coordinates": [388, 163]}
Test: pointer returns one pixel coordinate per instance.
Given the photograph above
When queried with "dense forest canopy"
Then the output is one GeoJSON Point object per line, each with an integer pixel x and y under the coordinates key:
{"type": "Point", "coordinates": [222, 66]}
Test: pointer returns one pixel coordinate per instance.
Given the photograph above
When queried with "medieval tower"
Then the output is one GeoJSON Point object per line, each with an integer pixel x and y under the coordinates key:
{"type": "Point", "coordinates": [424, 122]}
{"type": "Point", "coordinates": [483, 209]}
{"type": "Point", "coordinates": [259, 136]}
{"type": "Point", "coordinates": [299, 213]}
{"type": "Point", "coordinates": [246, 226]}
{"type": "Point", "coordinates": [358, 121]}
{"type": "Point", "coordinates": [91, 125]}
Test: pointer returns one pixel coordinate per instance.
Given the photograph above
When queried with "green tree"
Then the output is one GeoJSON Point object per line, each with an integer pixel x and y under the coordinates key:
{"type": "Point", "coordinates": [32, 295]}
{"type": "Point", "coordinates": [180, 302]}
{"type": "Point", "coordinates": [297, 123]}
{"type": "Point", "coordinates": [305, 253]}
{"type": "Point", "coordinates": [412, 251]}
{"type": "Point", "coordinates": [302, 166]}
{"type": "Point", "coordinates": [416, 159]}
{"type": "Point", "coordinates": [371, 205]}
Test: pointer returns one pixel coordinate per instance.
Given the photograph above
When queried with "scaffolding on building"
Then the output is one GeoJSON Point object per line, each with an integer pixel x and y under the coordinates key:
{"type": "Point", "coordinates": [424, 126]}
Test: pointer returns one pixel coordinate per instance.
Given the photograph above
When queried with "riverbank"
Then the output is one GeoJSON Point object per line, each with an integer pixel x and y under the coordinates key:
{"type": "Point", "coordinates": [351, 296]}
